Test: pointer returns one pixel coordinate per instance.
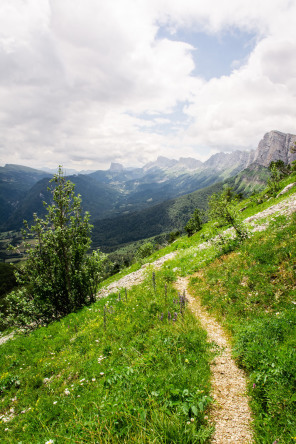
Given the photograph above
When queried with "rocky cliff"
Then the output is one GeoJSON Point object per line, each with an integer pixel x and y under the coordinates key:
{"type": "Point", "coordinates": [274, 146]}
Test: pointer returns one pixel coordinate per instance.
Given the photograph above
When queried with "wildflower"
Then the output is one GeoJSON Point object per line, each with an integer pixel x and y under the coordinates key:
{"type": "Point", "coordinates": [254, 385]}
{"type": "Point", "coordinates": [51, 441]}
{"type": "Point", "coordinates": [188, 422]}
{"type": "Point", "coordinates": [186, 360]}
{"type": "Point", "coordinates": [93, 379]}
{"type": "Point", "coordinates": [102, 373]}
{"type": "Point", "coordinates": [26, 410]}
{"type": "Point", "coordinates": [67, 392]}
{"type": "Point", "coordinates": [192, 419]}
{"type": "Point", "coordinates": [6, 430]}
{"type": "Point", "coordinates": [55, 402]}
{"type": "Point", "coordinates": [81, 380]}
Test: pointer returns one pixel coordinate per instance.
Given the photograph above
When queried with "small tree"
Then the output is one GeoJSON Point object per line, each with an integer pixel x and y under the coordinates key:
{"type": "Point", "coordinates": [58, 276]}
{"type": "Point", "coordinates": [278, 170]}
{"type": "Point", "coordinates": [194, 224]}
{"type": "Point", "coordinates": [223, 209]}
{"type": "Point", "coordinates": [145, 250]}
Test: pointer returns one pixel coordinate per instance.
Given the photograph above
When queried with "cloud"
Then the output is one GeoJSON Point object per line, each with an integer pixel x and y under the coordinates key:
{"type": "Point", "coordinates": [86, 82]}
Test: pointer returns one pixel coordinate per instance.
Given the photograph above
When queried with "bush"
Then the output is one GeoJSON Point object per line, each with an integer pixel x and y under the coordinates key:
{"type": "Point", "coordinates": [194, 224]}
{"type": "Point", "coordinates": [145, 250]}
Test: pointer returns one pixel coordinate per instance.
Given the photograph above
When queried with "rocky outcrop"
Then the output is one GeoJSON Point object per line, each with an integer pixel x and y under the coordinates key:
{"type": "Point", "coordinates": [274, 146]}
{"type": "Point", "coordinates": [223, 161]}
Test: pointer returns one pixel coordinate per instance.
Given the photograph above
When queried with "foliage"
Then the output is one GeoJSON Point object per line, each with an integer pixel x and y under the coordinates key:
{"type": "Point", "coordinates": [135, 367]}
{"type": "Point", "coordinates": [58, 277]}
{"type": "Point", "coordinates": [194, 224]}
{"type": "Point", "coordinates": [252, 291]}
{"type": "Point", "coordinates": [145, 250]}
{"type": "Point", "coordinates": [7, 283]}
{"type": "Point", "coordinates": [111, 234]}
{"type": "Point", "coordinates": [143, 377]}
{"type": "Point", "coordinates": [223, 209]}
{"type": "Point", "coordinates": [7, 278]}
{"type": "Point", "coordinates": [278, 170]}
{"type": "Point", "coordinates": [173, 235]}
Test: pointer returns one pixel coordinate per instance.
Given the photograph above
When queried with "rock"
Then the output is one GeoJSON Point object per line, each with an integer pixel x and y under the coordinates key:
{"type": "Point", "coordinates": [275, 146]}
{"type": "Point", "coordinates": [286, 189]}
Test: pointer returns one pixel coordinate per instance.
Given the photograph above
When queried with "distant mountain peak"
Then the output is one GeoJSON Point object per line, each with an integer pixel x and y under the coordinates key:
{"type": "Point", "coordinates": [116, 167]}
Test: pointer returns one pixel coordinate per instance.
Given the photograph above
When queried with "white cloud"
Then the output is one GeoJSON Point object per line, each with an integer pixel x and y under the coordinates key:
{"type": "Point", "coordinates": [76, 77]}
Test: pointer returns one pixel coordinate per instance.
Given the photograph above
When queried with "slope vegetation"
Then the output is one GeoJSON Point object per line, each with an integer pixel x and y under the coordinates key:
{"type": "Point", "coordinates": [135, 366]}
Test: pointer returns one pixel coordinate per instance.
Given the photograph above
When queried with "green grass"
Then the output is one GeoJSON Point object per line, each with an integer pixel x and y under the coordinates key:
{"type": "Point", "coordinates": [133, 375]}
{"type": "Point", "coordinates": [138, 379]}
{"type": "Point", "coordinates": [252, 292]}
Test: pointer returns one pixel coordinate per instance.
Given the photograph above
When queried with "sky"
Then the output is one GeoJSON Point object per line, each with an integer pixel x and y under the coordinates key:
{"type": "Point", "coordinates": [84, 83]}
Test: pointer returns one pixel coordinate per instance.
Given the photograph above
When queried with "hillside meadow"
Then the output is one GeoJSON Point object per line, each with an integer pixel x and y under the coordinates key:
{"type": "Point", "coordinates": [135, 366]}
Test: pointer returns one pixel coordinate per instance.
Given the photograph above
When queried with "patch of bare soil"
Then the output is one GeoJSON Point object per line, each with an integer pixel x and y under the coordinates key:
{"type": "Point", "coordinates": [230, 414]}
{"type": "Point", "coordinates": [134, 278]}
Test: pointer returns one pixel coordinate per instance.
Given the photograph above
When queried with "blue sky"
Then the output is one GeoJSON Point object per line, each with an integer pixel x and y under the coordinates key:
{"type": "Point", "coordinates": [215, 54]}
{"type": "Point", "coordinates": [90, 82]}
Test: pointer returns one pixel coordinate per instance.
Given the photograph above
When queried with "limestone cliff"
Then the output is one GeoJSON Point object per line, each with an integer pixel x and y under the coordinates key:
{"type": "Point", "coordinates": [274, 146]}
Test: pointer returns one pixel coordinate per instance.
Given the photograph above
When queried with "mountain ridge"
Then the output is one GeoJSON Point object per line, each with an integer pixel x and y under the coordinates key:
{"type": "Point", "coordinates": [120, 190]}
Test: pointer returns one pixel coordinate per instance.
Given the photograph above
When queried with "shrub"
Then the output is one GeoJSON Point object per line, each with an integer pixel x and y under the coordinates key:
{"type": "Point", "coordinates": [194, 224]}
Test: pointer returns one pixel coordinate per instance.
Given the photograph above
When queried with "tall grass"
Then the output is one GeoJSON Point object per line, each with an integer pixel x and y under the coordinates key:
{"type": "Point", "coordinates": [252, 291]}
{"type": "Point", "coordinates": [131, 368]}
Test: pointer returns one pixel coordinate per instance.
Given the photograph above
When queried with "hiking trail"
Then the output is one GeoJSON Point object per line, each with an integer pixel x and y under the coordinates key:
{"type": "Point", "coordinates": [230, 413]}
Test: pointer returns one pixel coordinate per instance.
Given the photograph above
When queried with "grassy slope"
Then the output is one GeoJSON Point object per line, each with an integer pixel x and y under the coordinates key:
{"type": "Point", "coordinates": [140, 379]}
{"type": "Point", "coordinates": [155, 373]}
{"type": "Point", "coordinates": [252, 292]}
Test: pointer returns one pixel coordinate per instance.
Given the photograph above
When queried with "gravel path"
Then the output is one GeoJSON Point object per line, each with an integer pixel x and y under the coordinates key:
{"type": "Point", "coordinates": [134, 278]}
{"type": "Point", "coordinates": [230, 414]}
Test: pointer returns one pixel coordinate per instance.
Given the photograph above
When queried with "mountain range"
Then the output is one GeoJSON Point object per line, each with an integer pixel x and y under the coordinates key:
{"type": "Point", "coordinates": [121, 199]}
